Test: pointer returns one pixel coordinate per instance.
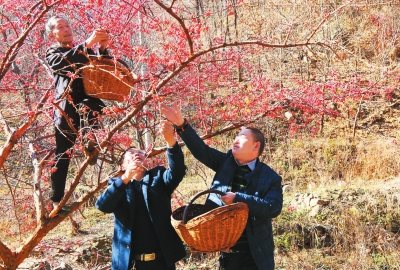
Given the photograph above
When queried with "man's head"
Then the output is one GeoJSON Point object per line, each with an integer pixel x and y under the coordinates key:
{"type": "Point", "coordinates": [59, 28]}
{"type": "Point", "coordinates": [135, 160]}
{"type": "Point", "coordinates": [248, 145]}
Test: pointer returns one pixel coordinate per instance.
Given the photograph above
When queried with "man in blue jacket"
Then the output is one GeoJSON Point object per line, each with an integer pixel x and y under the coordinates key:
{"type": "Point", "coordinates": [244, 178]}
{"type": "Point", "coordinates": [140, 199]}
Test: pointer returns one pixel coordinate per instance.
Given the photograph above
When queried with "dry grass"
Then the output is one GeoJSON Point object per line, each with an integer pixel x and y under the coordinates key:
{"type": "Point", "coordinates": [357, 230]}
{"type": "Point", "coordinates": [326, 161]}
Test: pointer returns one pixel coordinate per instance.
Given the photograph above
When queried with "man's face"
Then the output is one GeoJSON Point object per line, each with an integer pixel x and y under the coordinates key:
{"type": "Point", "coordinates": [62, 32]}
{"type": "Point", "coordinates": [244, 148]}
{"type": "Point", "coordinates": [134, 157]}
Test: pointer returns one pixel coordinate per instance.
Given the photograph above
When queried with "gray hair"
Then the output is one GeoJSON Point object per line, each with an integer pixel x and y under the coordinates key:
{"type": "Point", "coordinates": [51, 23]}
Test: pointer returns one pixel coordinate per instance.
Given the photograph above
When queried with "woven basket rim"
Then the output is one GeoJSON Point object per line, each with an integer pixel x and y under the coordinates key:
{"type": "Point", "coordinates": [131, 80]}
{"type": "Point", "coordinates": [215, 230]}
{"type": "Point", "coordinates": [99, 69]}
{"type": "Point", "coordinates": [203, 218]}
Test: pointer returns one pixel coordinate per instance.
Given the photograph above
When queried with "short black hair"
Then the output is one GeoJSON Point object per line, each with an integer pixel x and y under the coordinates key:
{"type": "Point", "coordinates": [258, 136]}
{"type": "Point", "coordinates": [121, 159]}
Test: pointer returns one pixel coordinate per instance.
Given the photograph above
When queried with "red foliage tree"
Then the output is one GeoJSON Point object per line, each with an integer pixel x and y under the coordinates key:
{"type": "Point", "coordinates": [220, 61]}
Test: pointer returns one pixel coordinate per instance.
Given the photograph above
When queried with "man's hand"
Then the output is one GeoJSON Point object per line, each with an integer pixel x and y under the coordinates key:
{"type": "Point", "coordinates": [98, 36]}
{"type": "Point", "coordinates": [173, 114]}
{"type": "Point", "coordinates": [133, 167]}
{"type": "Point", "coordinates": [167, 130]}
{"type": "Point", "coordinates": [134, 170]}
{"type": "Point", "coordinates": [228, 198]}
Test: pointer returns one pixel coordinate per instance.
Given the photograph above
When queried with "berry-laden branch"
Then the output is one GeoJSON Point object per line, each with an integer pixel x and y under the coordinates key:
{"type": "Point", "coordinates": [198, 54]}
{"type": "Point", "coordinates": [171, 12]}
{"type": "Point", "coordinates": [157, 151]}
{"type": "Point", "coordinates": [13, 49]}
{"type": "Point", "coordinates": [19, 132]}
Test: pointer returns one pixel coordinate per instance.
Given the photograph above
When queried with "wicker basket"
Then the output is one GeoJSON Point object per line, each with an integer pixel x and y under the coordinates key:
{"type": "Point", "coordinates": [211, 230]}
{"type": "Point", "coordinates": [104, 78]}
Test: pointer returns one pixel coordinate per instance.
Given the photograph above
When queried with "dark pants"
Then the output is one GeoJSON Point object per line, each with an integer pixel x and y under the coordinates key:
{"type": "Point", "coordinates": [237, 261]}
{"type": "Point", "coordinates": [65, 140]}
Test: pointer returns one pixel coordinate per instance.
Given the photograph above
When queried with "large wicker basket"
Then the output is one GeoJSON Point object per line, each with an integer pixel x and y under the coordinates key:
{"type": "Point", "coordinates": [107, 79]}
{"type": "Point", "coordinates": [205, 229]}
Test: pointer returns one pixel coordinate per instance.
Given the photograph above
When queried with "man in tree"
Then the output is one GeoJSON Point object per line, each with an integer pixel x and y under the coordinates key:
{"type": "Point", "coordinates": [140, 199]}
{"type": "Point", "coordinates": [65, 58]}
{"type": "Point", "coordinates": [244, 178]}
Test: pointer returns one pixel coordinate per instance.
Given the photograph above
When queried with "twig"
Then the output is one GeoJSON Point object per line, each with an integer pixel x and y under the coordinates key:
{"type": "Point", "coordinates": [6, 127]}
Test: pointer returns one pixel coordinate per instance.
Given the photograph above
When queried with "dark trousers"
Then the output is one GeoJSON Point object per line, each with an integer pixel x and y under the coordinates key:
{"type": "Point", "coordinates": [65, 140]}
{"type": "Point", "coordinates": [237, 261]}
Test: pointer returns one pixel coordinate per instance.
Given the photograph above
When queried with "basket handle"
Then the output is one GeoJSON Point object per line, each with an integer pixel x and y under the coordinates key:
{"type": "Point", "coordinates": [195, 197]}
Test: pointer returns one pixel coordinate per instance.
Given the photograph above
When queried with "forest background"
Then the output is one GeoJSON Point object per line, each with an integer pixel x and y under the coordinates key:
{"type": "Point", "coordinates": [319, 77]}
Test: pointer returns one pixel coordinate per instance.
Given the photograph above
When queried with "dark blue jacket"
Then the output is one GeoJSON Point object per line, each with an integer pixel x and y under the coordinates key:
{"type": "Point", "coordinates": [64, 61]}
{"type": "Point", "coordinates": [158, 185]}
{"type": "Point", "coordinates": [263, 194]}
